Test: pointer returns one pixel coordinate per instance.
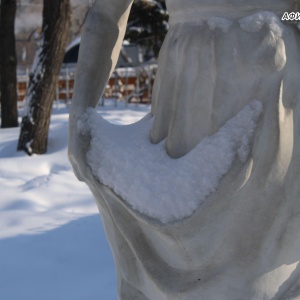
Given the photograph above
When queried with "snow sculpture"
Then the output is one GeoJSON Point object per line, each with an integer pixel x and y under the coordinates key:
{"type": "Point", "coordinates": [212, 211]}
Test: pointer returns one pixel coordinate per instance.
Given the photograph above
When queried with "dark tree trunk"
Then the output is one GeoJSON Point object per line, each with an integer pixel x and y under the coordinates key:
{"type": "Point", "coordinates": [42, 82]}
{"type": "Point", "coordinates": [8, 64]}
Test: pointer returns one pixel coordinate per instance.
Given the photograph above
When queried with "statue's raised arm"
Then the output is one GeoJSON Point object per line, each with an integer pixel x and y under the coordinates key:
{"type": "Point", "coordinates": [99, 50]}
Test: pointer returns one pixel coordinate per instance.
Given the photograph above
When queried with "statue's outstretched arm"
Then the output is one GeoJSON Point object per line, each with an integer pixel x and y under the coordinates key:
{"type": "Point", "coordinates": [99, 50]}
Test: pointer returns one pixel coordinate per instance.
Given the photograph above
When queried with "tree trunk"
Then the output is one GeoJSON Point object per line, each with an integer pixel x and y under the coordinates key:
{"type": "Point", "coordinates": [8, 64]}
{"type": "Point", "coordinates": [42, 82]}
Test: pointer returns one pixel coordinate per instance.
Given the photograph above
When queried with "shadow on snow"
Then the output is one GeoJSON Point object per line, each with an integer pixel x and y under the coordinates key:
{"type": "Point", "coordinates": [70, 262]}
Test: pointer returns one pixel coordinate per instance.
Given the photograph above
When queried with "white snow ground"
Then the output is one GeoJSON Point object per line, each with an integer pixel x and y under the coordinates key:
{"type": "Point", "coordinates": [52, 243]}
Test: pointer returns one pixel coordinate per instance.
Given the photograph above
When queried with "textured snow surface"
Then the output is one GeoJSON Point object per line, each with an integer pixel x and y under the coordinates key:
{"type": "Point", "coordinates": [255, 23]}
{"type": "Point", "coordinates": [123, 158]}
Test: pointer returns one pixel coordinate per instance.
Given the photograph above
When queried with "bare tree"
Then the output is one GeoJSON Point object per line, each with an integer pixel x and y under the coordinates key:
{"type": "Point", "coordinates": [8, 64]}
{"type": "Point", "coordinates": [42, 83]}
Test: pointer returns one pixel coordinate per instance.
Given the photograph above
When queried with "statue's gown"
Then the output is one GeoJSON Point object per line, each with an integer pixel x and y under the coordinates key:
{"type": "Point", "coordinates": [243, 241]}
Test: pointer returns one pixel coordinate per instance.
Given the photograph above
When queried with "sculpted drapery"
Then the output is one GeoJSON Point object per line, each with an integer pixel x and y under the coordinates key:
{"type": "Point", "coordinates": [227, 82]}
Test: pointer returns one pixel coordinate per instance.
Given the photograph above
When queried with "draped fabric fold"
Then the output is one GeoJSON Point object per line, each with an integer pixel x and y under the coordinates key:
{"type": "Point", "coordinates": [243, 241]}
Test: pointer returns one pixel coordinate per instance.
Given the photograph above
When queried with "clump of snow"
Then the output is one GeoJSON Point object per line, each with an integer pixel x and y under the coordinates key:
{"type": "Point", "coordinates": [28, 146]}
{"type": "Point", "coordinates": [255, 22]}
{"type": "Point", "coordinates": [36, 74]}
{"type": "Point", "coordinates": [74, 43]}
{"type": "Point", "coordinates": [141, 173]}
{"type": "Point", "coordinates": [219, 23]}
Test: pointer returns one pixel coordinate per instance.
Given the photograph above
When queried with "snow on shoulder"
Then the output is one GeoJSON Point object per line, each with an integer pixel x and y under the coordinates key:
{"type": "Point", "coordinates": [152, 183]}
{"type": "Point", "coordinates": [255, 23]}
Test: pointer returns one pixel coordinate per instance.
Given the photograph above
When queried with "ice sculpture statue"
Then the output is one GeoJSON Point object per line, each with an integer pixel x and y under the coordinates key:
{"type": "Point", "coordinates": [201, 198]}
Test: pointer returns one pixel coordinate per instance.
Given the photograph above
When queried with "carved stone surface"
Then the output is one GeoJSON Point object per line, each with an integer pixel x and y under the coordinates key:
{"type": "Point", "coordinates": [243, 241]}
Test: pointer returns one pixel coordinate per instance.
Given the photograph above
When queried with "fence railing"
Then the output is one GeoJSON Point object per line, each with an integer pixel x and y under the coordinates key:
{"type": "Point", "coordinates": [127, 84]}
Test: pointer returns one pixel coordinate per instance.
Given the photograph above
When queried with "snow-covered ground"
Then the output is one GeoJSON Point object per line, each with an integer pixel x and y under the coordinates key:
{"type": "Point", "coordinates": [52, 243]}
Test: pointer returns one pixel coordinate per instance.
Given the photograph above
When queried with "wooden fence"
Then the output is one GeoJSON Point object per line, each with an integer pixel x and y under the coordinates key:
{"type": "Point", "coordinates": [127, 84]}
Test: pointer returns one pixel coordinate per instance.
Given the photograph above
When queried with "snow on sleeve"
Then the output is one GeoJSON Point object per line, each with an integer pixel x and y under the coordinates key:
{"type": "Point", "coordinates": [255, 23]}
{"type": "Point", "coordinates": [152, 183]}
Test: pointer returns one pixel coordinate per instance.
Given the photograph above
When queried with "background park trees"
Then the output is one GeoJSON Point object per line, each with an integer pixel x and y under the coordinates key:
{"type": "Point", "coordinates": [8, 64]}
{"type": "Point", "coordinates": [42, 82]}
{"type": "Point", "coordinates": [147, 27]}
